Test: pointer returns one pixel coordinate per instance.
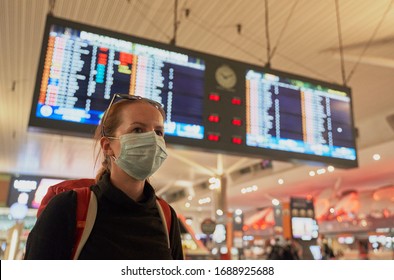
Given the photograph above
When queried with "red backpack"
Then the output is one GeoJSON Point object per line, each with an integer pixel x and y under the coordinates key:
{"type": "Point", "coordinates": [87, 210]}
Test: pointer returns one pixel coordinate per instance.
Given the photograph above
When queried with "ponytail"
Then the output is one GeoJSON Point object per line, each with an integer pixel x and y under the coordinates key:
{"type": "Point", "coordinates": [105, 168]}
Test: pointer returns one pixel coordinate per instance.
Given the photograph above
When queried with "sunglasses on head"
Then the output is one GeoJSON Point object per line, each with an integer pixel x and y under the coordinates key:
{"type": "Point", "coordinates": [126, 97]}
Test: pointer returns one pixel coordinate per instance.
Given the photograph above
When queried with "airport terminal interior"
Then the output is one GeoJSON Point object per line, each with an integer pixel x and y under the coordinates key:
{"type": "Point", "coordinates": [279, 117]}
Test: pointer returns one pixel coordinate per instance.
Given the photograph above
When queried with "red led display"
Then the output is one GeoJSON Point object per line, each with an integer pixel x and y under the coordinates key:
{"type": "Point", "coordinates": [214, 97]}
{"type": "Point", "coordinates": [213, 118]}
{"type": "Point", "coordinates": [237, 140]}
{"type": "Point", "coordinates": [236, 122]}
{"type": "Point", "coordinates": [236, 101]}
{"type": "Point", "coordinates": [213, 137]}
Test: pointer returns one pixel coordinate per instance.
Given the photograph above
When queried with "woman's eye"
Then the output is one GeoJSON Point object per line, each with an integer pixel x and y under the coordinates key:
{"type": "Point", "coordinates": [159, 132]}
{"type": "Point", "coordinates": [138, 130]}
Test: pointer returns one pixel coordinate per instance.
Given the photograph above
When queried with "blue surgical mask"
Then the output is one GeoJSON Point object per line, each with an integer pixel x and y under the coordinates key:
{"type": "Point", "coordinates": [141, 154]}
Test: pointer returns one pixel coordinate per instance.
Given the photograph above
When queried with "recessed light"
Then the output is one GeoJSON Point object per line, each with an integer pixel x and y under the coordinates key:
{"type": "Point", "coordinates": [321, 171]}
{"type": "Point", "coordinates": [376, 157]}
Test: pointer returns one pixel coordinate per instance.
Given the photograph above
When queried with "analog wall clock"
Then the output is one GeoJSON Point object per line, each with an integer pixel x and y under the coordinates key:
{"type": "Point", "coordinates": [226, 77]}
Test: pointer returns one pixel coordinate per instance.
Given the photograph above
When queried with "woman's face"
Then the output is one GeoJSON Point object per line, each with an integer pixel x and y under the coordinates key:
{"type": "Point", "coordinates": [138, 117]}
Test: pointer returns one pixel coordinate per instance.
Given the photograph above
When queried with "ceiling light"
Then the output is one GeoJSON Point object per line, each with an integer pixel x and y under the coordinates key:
{"type": "Point", "coordinates": [238, 212]}
{"type": "Point", "coordinates": [321, 171]}
{"type": "Point", "coordinates": [214, 186]}
{"type": "Point", "coordinates": [275, 202]}
{"type": "Point", "coordinates": [219, 212]}
{"type": "Point", "coordinates": [281, 181]}
{"type": "Point", "coordinates": [312, 173]}
{"type": "Point", "coordinates": [376, 157]}
{"type": "Point", "coordinates": [249, 189]}
{"type": "Point", "coordinates": [204, 200]}
{"type": "Point", "coordinates": [214, 183]}
{"type": "Point", "coordinates": [187, 204]}
{"type": "Point", "coordinates": [212, 180]}
{"type": "Point", "coordinates": [330, 168]}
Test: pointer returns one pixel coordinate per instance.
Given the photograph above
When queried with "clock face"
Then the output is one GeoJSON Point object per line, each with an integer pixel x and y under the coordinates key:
{"type": "Point", "coordinates": [226, 77]}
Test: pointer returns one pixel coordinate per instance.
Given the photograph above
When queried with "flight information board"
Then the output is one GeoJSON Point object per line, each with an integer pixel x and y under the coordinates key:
{"type": "Point", "coordinates": [211, 103]}
{"type": "Point", "coordinates": [295, 116]}
{"type": "Point", "coordinates": [82, 70]}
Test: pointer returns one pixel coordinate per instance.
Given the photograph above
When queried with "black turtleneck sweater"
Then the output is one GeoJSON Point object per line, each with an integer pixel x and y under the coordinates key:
{"type": "Point", "coordinates": [123, 230]}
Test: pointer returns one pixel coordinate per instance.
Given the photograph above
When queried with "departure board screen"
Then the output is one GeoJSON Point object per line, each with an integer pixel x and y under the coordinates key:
{"type": "Point", "coordinates": [212, 104]}
{"type": "Point", "coordinates": [296, 116]}
{"type": "Point", "coordinates": [82, 70]}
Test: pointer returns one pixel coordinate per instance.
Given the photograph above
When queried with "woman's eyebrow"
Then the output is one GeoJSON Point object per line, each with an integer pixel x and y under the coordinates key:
{"type": "Point", "coordinates": [138, 123]}
{"type": "Point", "coordinates": [144, 125]}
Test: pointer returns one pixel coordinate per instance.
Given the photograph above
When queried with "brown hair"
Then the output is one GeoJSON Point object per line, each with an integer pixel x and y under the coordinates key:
{"type": "Point", "coordinates": [112, 122]}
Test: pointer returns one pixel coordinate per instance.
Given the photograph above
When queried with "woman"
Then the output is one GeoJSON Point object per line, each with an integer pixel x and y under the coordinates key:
{"type": "Point", "coordinates": [128, 224]}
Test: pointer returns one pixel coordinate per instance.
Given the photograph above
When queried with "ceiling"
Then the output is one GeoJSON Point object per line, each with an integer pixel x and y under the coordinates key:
{"type": "Point", "coordinates": [304, 35]}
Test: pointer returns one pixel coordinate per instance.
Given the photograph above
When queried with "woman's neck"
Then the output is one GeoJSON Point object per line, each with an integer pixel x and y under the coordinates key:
{"type": "Point", "coordinates": [130, 186]}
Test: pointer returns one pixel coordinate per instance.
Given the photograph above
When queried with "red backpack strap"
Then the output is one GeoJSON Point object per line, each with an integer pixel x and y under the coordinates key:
{"type": "Point", "coordinates": [165, 213]}
{"type": "Point", "coordinates": [85, 212]}
{"type": "Point", "coordinates": [62, 187]}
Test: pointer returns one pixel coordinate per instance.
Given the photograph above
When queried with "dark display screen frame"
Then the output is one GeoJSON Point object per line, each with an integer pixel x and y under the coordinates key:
{"type": "Point", "coordinates": [34, 187]}
{"type": "Point", "coordinates": [225, 108]}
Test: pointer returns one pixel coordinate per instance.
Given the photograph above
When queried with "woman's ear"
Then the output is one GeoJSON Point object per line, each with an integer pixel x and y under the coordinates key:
{"type": "Point", "coordinates": [106, 147]}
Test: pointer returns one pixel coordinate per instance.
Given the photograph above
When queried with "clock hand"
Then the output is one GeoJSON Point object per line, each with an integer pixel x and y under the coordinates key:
{"type": "Point", "coordinates": [226, 76]}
